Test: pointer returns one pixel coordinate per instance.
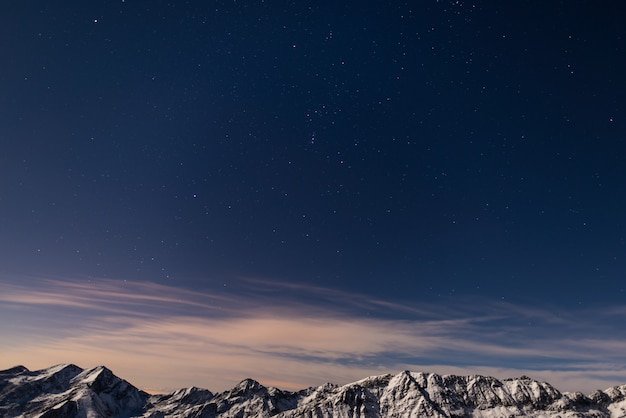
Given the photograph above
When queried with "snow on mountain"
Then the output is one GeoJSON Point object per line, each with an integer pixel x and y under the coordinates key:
{"type": "Point", "coordinates": [67, 391]}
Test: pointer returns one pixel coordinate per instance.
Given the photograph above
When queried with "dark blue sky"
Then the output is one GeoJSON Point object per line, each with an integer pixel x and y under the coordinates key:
{"type": "Point", "coordinates": [411, 151]}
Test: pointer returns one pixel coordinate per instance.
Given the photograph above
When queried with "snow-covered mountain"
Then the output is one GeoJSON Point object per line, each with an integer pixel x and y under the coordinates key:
{"type": "Point", "coordinates": [67, 391]}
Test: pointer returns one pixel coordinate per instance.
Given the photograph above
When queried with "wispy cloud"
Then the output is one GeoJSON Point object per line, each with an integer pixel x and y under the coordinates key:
{"type": "Point", "coordinates": [164, 337]}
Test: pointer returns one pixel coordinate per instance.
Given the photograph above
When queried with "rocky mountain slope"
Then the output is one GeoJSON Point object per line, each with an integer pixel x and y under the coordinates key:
{"type": "Point", "coordinates": [67, 391]}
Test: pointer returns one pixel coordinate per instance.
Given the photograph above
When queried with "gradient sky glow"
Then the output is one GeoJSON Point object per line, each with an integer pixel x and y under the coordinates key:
{"type": "Point", "coordinates": [165, 337]}
{"type": "Point", "coordinates": [192, 193]}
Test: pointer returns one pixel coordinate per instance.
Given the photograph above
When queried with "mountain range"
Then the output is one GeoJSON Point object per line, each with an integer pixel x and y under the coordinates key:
{"type": "Point", "coordinates": [68, 391]}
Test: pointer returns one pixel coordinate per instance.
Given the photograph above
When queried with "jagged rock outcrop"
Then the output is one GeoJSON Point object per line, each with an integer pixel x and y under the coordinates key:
{"type": "Point", "coordinates": [67, 391]}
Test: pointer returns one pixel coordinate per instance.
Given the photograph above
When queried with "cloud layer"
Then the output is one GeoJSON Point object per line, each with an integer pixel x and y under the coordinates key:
{"type": "Point", "coordinates": [292, 336]}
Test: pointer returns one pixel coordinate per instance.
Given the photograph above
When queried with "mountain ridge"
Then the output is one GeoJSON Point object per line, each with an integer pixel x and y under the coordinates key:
{"type": "Point", "coordinates": [68, 391]}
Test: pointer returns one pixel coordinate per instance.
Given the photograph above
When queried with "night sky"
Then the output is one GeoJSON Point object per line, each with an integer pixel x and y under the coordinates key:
{"type": "Point", "coordinates": [311, 191]}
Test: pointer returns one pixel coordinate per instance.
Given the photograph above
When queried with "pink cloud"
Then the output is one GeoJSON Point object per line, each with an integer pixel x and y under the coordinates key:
{"type": "Point", "coordinates": [162, 338]}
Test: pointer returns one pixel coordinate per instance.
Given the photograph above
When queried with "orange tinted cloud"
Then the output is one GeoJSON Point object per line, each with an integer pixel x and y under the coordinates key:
{"type": "Point", "coordinates": [162, 338]}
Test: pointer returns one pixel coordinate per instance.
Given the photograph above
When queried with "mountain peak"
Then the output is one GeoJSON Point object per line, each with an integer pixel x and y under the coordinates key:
{"type": "Point", "coordinates": [14, 370]}
{"type": "Point", "coordinates": [68, 368]}
{"type": "Point", "coordinates": [249, 385]}
{"type": "Point", "coordinates": [94, 374]}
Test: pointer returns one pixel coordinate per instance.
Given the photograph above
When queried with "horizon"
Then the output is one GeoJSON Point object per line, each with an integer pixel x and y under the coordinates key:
{"type": "Point", "coordinates": [390, 374]}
